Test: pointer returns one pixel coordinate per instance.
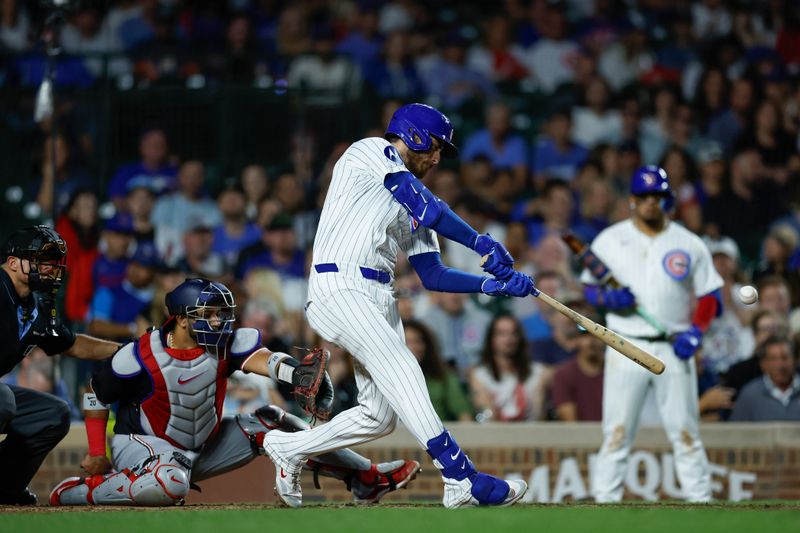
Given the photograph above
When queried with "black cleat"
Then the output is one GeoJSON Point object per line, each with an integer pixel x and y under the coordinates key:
{"type": "Point", "coordinates": [23, 497]}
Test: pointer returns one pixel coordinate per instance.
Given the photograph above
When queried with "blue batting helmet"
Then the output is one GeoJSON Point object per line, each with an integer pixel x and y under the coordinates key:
{"type": "Point", "coordinates": [415, 124]}
{"type": "Point", "coordinates": [652, 179]}
{"type": "Point", "coordinates": [211, 306]}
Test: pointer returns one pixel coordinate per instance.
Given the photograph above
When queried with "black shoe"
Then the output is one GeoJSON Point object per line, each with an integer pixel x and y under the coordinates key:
{"type": "Point", "coordinates": [23, 497]}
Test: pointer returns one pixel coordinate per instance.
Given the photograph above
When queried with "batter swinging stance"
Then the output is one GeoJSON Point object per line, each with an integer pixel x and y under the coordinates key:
{"type": "Point", "coordinates": [376, 206]}
{"type": "Point", "coordinates": [662, 267]}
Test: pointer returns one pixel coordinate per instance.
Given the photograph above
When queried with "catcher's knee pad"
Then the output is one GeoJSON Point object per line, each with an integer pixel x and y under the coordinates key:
{"type": "Point", "coordinates": [164, 484]}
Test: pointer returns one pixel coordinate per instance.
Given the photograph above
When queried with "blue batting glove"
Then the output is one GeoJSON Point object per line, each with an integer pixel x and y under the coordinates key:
{"type": "Point", "coordinates": [611, 299]}
{"type": "Point", "coordinates": [687, 343]}
{"type": "Point", "coordinates": [519, 285]}
{"type": "Point", "coordinates": [499, 263]}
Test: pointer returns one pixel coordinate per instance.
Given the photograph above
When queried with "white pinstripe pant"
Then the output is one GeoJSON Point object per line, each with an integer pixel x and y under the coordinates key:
{"type": "Point", "coordinates": [364, 320]}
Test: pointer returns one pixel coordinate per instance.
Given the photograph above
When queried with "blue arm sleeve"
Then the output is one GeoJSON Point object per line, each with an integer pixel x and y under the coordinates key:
{"type": "Point", "coordinates": [437, 277]}
{"type": "Point", "coordinates": [454, 228]}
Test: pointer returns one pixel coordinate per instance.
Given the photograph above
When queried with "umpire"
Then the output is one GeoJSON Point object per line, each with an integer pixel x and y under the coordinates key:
{"type": "Point", "coordinates": [34, 264]}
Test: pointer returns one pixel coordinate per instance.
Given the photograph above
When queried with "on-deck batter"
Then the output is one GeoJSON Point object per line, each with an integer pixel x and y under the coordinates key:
{"type": "Point", "coordinates": [376, 206]}
{"type": "Point", "coordinates": [662, 266]}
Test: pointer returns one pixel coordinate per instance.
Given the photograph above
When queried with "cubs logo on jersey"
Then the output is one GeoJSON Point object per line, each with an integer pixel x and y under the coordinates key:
{"type": "Point", "coordinates": [676, 264]}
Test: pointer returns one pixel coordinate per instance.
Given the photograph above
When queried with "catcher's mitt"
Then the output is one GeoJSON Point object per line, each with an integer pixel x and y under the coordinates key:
{"type": "Point", "coordinates": [313, 389]}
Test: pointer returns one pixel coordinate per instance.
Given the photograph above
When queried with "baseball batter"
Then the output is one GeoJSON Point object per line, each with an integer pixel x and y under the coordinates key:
{"type": "Point", "coordinates": [662, 267]}
{"type": "Point", "coordinates": [169, 430]}
{"type": "Point", "coordinates": [376, 206]}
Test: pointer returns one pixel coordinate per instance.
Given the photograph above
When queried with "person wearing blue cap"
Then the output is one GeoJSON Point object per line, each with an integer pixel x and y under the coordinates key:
{"type": "Point", "coordinates": [116, 313]}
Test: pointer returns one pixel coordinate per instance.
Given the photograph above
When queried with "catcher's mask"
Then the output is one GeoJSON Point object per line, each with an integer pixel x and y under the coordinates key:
{"type": "Point", "coordinates": [209, 306]}
{"type": "Point", "coordinates": [46, 255]}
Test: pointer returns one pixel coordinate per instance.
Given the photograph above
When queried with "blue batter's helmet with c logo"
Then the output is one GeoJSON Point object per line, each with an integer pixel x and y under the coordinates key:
{"type": "Point", "coordinates": [652, 179]}
{"type": "Point", "coordinates": [416, 124]}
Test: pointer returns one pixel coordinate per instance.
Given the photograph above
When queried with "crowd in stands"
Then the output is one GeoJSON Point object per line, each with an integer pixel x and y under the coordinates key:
{"type": "Point", "coordinates": [555, 103]}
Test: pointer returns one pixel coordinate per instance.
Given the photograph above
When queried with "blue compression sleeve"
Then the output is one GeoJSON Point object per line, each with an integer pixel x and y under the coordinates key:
{"type": "Point", "coordinates": [454, 228]}
{"type": "Point", "coordinates": [437, 277]}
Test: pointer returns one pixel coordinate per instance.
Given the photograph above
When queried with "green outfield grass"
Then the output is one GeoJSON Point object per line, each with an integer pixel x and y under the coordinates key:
{"type": "Point", "coordinates": [759, 517]}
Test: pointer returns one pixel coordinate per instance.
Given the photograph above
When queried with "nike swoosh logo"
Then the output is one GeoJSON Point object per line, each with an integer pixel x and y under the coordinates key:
{"type": "Point", "coordinates": [445, 442]}
{"type": "Point", "coordinates": [422, 216]}
{"type": "Point", "coordinates": [283, 474]}
{"type": "Point", "coordinates": [464, 466]}
{"type": "Point", "coordinates": [175, 480]}
{"type": "Point", "coordinates": [453, 457]}
{"type": "Point", "coordinates": [182, 381]}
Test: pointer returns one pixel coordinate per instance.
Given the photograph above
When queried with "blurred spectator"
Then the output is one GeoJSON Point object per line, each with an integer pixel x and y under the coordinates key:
{"type": "Point", "coordinates": [292, 37]}
{"type": "Point", "coordinates": [496, 57]}
{"type": "Point", "coordinates": [552, 58]}
{"type": "Point", "coordinates": [324, 77]}
{"type": "Point", "coordinates": [199, 259]}
{"type": "Point", "coordinates": [555, 156]}
{"type": "Point", "coordinates": [139, 203]}
{"type": "Point", "coordinates": [165, 57]}
{"type": "Point", "coordinates": [58, 183]}
{"type": "Point", "coordinates": [393, 74]}
{"type": "Point", "coordinates": [712, 167]}
{"type": "Point", "coordinates": [235, 232]}
{"type": "Point", "coordinates": [765, 134]}
{"type": "Point", "coordinates": [449, 81]}
{"type": "Point", "coordinates": [475, 212]}
{"type": "Point", "coordinates": [78, 226]}
{"type": "Point", "coordinates": [681, 171]}
{"type": "Point", "coordinates": [747, 207]}
{"type": "Point", "coordinates": [727, 126]}
{"type": "Point", "coordinates": [459, 327]}
{"type": "Point", "coordinates": [776, 395]}
{"type": "Point", "coordinates": [264, 314]}
{"type": "Point", "coordinates": [246, 393]}
{"type": "Point", "coordinates": [153, 166]}
{"type": "Point", "coordinates": [778, 258]}
{"type": "Point", "coordinates": [174, 212]}
{"type": "Point", "coordinates": [597, 206]}
{"type": "Point", "coordinates": [14, 26]}
{"type": "Point", "coordinates": [505, 386]}
{"type": "Point", "coordinates": [654, 129]}
{"type": "Point", "coordinates": [277, 252]}
{"type": "Point", "coordinates": [625, 61]}
{"type": "Point", "coordinates": [255, 184]}
{"type": "Point", "coordinates": [238, 60]}
{"type": "Point", "coordinates": [444, 388]}
{"type": "Point", "coordinates": [289, 192]}
{"type": "Point", "coordinates": [711, 19]}
{"type": "Point", "coordinates": [504, 148]}
{"type": "Point", "coordinates": [363, 43]}
{"type": "Point", "coordinates": [135, 24]}
{"type": "Point", "coordinates": [679, 49]}
{"type": "Point", "coordinates": [115, 242]}
{"type": "Point", "coordinates": [577, 389]}
{"type": "Point", "coordinates": [765, 323]}
{"type": "Point", "coordinates": [87, 35]}
{"type": "Point", "coordinates": [37, 372]}
{"type": "Point", "coordinates": [594, 121]}
{"type": "Point", "coordinates": [119, 313]}
{"type": "Point", "coordinates": [774, 295]}
{"type": "Point", "coordinates": [728, 339]}
{"type": "Point", "coordinates": [552, 213]}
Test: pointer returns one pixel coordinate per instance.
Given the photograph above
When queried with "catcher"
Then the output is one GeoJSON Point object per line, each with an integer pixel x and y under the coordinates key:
{"type": "Point", "coordinates": [169, 432]}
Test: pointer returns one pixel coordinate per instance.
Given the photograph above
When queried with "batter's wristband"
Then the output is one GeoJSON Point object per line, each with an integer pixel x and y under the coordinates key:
{"type": "Point", "coordinates": [96, 436]}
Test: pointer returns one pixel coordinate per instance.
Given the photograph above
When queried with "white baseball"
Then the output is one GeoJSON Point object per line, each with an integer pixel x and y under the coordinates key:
{"type": "Point", "coordinates": [748, 294]}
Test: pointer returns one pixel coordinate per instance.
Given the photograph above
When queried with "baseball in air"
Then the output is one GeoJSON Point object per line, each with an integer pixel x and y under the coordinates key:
{"type": "Point", "coordinates": [748, 294]}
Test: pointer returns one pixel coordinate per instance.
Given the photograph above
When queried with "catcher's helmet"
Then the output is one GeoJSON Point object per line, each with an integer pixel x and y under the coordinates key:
{"type": "Point", "coordinates": [415, 124]}
{"type": "Point", "coordinates": [46, 253]}
{"type": "Point", "coordinates": [652, 179]}
{"type": "Point", "coordinates": [210, 305]}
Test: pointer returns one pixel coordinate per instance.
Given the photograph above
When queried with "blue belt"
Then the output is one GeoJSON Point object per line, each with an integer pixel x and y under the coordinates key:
{"type": "Point", "coordinates": [369, 273]}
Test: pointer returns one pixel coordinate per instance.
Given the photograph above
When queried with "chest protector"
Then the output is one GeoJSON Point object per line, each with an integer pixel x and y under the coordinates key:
{"type": "Point", "coordinates": [185, 407]}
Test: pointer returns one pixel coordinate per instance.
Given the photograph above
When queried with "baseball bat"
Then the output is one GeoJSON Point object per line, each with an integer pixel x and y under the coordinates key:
{"type": "Point", "coordinates": [603, 275]}
{"type": "Point", "coordinates": [609, 337]}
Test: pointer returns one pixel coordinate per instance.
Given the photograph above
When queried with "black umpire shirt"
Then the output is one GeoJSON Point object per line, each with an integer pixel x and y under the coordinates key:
{"type": "Point", "coordinates": [22, 323]}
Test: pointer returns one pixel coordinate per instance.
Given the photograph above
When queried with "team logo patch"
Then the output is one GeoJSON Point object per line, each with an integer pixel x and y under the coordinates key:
{"type": "Point", "coordinates": [676, 264]}
{"type": "Point", "coordinates": [392, 155]}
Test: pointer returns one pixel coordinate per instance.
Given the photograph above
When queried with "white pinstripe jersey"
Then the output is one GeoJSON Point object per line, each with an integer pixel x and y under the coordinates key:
{"type": "Point", "coordinates": [663, 272]}
{"type": "Point", "coordinates": [361, 222]}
